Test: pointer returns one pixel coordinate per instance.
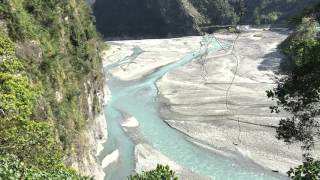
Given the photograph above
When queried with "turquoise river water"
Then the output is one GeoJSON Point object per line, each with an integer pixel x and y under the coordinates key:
{"type": "Point", "coordinates": [138, 99]}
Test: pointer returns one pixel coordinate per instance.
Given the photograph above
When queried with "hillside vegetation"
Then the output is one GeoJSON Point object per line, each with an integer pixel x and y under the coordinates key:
{"type": "Point", "coordinates": [50, 70]}
{"type": "Point", "coordinates": [298, 92]}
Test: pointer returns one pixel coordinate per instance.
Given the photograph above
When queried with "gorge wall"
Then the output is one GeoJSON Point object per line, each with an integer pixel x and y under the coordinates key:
{"type": "Point", "coordinates": [161, 18]}
{"type": "Point", "coordinates": [53, 120]}
{"type": "Point", "coordinates": [142, 18]}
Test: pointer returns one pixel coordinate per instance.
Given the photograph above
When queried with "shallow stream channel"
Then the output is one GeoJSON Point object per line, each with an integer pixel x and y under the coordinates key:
{"type": "Point", "coordinates": [138, 99]}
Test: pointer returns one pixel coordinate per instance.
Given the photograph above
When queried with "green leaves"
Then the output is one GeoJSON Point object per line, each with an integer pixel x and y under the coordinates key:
{"type": "Point", "coordinates": [17, 93]}
{"type": "Point", "coordinates": [17, 96]}
{"type": "Point", "coordinates": [11, 168]}
{"type": "Point", "coordinates": [43, 111]}
{"type": "Point", "coordinates": [303, 52]}
{"type": "Point", "coordinates": [32, 142]}
{"type": "Point", "coordinates": [7, 48]}
{"type": "Point", "coordinates": [302, 46]}
{"type": "Point", "coordinates": [11, 65]}
{"type": "Point", "coordinates": [28, 148]}
{"type": "Point", "coordinates": [310, 170]}
{"type": "Point", "coordinates": [160, 173]}
{"type": "Point", "coordinates": [19, 135]}
{"type": "Point", "coordinates": [53, 87]}
{"type": "Point", "coordinates": [298, 92]}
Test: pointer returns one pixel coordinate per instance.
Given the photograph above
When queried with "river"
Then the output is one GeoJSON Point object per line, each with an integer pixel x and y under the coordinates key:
{"type": "Point", "coordinates": [138, 99]}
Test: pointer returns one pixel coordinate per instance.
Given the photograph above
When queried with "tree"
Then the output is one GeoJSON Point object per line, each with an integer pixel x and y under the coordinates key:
{"type": "Point", "coordinates": [309, 170]}
{"type": "Point", "coordinates": [160, 173]}
{"type": "Point", "coordinates": [298, 93]}
{"type": "Point", "coordinates": [240, 8]}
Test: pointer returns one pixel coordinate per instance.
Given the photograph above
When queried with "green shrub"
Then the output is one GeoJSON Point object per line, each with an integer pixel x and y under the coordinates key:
{"type": "Point", "coordinates": [34, 151]}
{"type": "Point", "coordinates": [309, 170]}
{"type": "Point", "coordinates": [297, 94]}
{"type": "Point", "coordinates": [11, 168]}
{"type": "Point", "coordinates": [301, 47]}
{"type": "Point", "coordinates": [160, 173]}
{"type": "Point", "coordinates": [7, 47]}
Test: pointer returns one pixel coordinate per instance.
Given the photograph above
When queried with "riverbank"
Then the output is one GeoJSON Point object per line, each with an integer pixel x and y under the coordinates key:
{"type": "Point", "coordinates": [134, 92]}
{"type": "Point", "coordinates": [131, 56]}
{"type": "Point", "coordinates": [244, 125]}
{"type": "Point", "coordinates": [151, 54]}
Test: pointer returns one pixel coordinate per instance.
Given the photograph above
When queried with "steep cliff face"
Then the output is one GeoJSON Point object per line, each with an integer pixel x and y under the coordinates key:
{"type": "Point", "coordinates": [183, 17]}
{"type": "Point", "coordinates": [57, 45]}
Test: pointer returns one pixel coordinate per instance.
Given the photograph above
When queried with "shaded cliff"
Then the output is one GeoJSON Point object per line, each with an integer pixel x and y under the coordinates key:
{"type": "Point", "coordinates": [143, 18]}
{"type": "Point", "coordinates": [160, 18]}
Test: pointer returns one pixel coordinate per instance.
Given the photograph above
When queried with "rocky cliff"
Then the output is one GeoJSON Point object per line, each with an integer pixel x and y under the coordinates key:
{"type": "Point", "coordinates": [55, 49]}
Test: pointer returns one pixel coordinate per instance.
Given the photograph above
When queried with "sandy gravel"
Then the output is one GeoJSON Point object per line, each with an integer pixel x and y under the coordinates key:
{"type": "Point", "coordinates": [155, 53]}
{"type": "Point", "coordinates": [197, 106]}
{"type": "Point", "coordinates": [147, 159]}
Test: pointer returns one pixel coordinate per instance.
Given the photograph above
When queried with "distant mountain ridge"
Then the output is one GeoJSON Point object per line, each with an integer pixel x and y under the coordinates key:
{"type": "Point", "coordinates": [162, 18]}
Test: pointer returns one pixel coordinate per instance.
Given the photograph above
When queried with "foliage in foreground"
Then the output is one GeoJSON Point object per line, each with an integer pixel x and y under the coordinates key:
{"type": "Point", "coordinates": [28, 149]}
{"type": "Point", "coordinates": [160, 173]}
{"type": "Point", "coordinates": [310, 170]}
{"type": "Point", "coordinates": [12, 168]}
{"type": "Point", "coordinates": [51, 80]}
{"type": "Point", "coordinates": [298, 94]}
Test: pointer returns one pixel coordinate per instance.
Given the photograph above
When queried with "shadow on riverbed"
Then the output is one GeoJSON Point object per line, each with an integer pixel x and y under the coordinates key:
{"type": "Point", "coordinates": [271, 62]}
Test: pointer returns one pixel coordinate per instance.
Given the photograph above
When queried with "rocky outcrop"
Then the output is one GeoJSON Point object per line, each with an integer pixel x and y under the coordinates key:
{"type": "Point", "coordinates": [88, 165]}
{"type": "Point", "coordinates": [95, 134]}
